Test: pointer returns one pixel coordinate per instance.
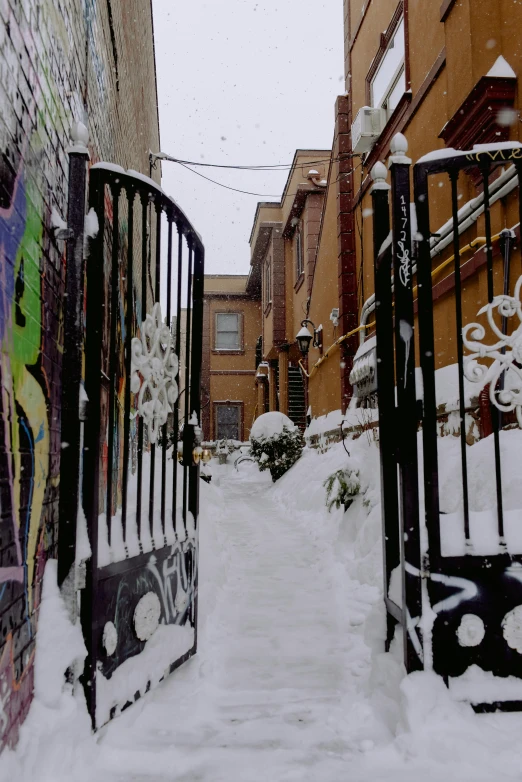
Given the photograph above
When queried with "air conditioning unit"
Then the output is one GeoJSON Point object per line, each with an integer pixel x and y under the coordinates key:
{"type": "Point", "coordinates": [367, 127]}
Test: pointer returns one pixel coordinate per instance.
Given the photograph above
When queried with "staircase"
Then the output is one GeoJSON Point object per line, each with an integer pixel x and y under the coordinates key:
{"type": "Point", "coordinates": [296, 397]}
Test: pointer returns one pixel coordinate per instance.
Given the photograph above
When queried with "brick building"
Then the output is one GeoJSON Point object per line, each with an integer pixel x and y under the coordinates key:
{"type": "Point", "coordinates": [231, 331]}
{"type": "Point", "coordinates": [284, 241]}
{"type": "Point", "coordinates": [444, 75]}
{"type": "Point", "coordinates": [61, 61]}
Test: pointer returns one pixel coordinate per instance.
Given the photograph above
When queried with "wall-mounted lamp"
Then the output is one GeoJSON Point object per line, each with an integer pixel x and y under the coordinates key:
{"type": "Point", "coordinates": [304, 337]}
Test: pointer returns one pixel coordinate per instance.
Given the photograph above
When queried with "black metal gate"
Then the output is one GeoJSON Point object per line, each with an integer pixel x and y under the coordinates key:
{"type": "Point", "coordinates": [140, 489]}
{"type": "Point", "coordinates": [461, 601]}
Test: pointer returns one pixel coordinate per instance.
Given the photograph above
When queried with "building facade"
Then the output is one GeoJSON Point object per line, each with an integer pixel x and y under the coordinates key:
{"type": "Point", "coordinates": [231, 332]}
{"type": "Point", "coordinates": [61, 62]}
{"type": "Point", "coordinates": [284, 243]}
{"type": "Point", "coordinates": [445, 75]}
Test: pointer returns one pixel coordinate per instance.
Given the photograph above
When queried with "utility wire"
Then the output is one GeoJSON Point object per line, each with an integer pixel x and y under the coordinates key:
{"type": "Point", "coordinates": [274, 167]}
{"type": "Point", "coordinates": [227, 187]}
{"type": "Point", "coordinates": [235, 189]}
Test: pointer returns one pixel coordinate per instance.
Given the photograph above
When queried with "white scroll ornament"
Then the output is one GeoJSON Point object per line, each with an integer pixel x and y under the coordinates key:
{"type": "Point", "coordinates": [506, 354]}
{"type": "Point", "coordinates": [154, 368]}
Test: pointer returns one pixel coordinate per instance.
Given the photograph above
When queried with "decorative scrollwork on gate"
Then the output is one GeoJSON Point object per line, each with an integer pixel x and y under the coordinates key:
{"type": "Point", "coordinates": [506, 354]}
{"type": "Point", "coordinates": [154, 366]}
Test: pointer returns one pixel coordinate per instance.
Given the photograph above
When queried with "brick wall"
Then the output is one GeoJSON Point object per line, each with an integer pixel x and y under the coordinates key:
{"type": "Point", "coordinates": [60, 61]}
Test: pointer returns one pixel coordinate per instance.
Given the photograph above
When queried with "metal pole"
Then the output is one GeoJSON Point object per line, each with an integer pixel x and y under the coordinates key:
{"type": "Point", "coordinates": [72, 354]}
{"type": "Point", "coordinates": [406, 400]}
{"type": "Point", "coordinates": [385, 387]}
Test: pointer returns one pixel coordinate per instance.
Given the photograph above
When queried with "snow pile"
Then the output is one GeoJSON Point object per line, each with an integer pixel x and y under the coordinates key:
{"type": "Point", "coordinates": [291, 681]}
{"type": "Point", "coordinates": [269, 425]}
{"type": "Point", "coordinates": [142, 672]}
{"type": "Point", "coordinates": [324, 423]}
{"type": "Point", "coordinates": [359, 418]}
{"type": "Point", "coordinates": [55, 739]}
{"type": "Point", "coordinates": [482, 494]}
{"type": "Point", "coordinates": [91, 226]}
{"type": "Point", "coordinates": [133, 544]}
{"type": "Point", "coordinates": [402, 727]}
{"type": "Point", "coordinates": [60, 643]}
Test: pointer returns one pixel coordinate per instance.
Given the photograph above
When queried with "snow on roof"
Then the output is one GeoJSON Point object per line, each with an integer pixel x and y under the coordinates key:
{"type": "Point", "coordinates": [501, 69]}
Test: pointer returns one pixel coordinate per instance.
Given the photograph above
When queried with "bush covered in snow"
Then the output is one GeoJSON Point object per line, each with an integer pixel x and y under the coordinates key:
{"type": "Point", "coordinates": [227, 447]}
{"type": "Point", "coordinates": [341, 488]}
{"type": "Point", "coordinates": [275, 443]}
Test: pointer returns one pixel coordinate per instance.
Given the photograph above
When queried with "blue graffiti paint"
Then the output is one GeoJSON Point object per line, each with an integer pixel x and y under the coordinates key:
{"type": "Point", "coordinates": [12, 227]}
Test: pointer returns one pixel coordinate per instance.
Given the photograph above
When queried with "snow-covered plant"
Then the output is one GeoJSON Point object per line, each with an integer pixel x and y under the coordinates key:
{"type": "Point", "coordinates": [226, 446]}
{"type": "Point", "coordinates": [342, 487]}
{"type": "Point", "coordinates": [275, 443]}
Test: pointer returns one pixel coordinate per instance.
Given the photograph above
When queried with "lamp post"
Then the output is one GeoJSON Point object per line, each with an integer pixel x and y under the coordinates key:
{"type": "Point", "coordinates": [304, 337]}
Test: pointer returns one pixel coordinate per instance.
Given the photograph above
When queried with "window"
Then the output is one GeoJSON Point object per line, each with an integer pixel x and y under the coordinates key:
{"type": "Point", "coordinates": [299, 253]}
{"type": "Point", "coordinates": [388, 84]}
{"type": "Point", "coordinates": [228, 422]}
{"type": "Point", "coordinates": [227, 331]}
{"type": "Point", "coordinates": [268, 282]}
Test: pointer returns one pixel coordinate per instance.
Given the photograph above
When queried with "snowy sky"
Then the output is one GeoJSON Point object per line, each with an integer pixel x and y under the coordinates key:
{"type": "Point", "coordinates": [242, 82]}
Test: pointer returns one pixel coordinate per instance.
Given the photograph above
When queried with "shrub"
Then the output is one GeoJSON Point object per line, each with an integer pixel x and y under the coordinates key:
{"type": "Point", "coordinates": [226, 446]}
{"type": "Point", "coordinates": [341, 488]}
{"type": "Point", "coordinates": [275, 443]}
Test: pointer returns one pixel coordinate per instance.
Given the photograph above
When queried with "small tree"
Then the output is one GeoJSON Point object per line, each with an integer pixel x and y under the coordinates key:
{"type": "Point", "coordinates": [341, 488]}
{"type": "Point", "coordinates": [275, 443]}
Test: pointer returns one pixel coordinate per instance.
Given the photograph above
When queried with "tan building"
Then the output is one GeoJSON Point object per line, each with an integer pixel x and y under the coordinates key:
{"type": "Point", "coordinates": [284, 241]}
{"type": "Point", "coordinates": [445, 76]}
{"type": "Point", "coordinates": [231, 331]}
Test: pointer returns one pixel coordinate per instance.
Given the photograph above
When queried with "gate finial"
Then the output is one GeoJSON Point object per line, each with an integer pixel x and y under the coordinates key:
{"type": "Point", "coordinates": [398, 149]}
{"type": "Point", "coordinates": [79, 136]}
{"type": "Point", "coordinates": [378, 175]}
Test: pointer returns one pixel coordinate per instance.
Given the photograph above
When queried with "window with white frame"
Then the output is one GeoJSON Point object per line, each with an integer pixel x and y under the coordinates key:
{"type": "Point", "coordinates": [227, 331]}
{"type": "Point", "coordinates": [389, 81]}
{"type": "Point", "coordinates": [228, 422]}
{"type": "Point", "coordinates": [299, 255]}
{"type": "Point", "coordinates": [268, 282]}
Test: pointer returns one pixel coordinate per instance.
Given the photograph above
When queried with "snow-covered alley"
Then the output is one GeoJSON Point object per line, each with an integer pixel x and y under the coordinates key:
{"type": "Point", "coordinates": [290, 681]}
{"type": "Point", "coordinates": [265, 693]}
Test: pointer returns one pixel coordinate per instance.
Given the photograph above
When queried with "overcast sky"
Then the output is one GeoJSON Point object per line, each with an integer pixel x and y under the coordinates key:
{"type": "Point", "coordinates": [242, 82]}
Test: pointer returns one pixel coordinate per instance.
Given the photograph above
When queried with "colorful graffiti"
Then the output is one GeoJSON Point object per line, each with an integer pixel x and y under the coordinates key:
{"type": "Point", "coordinates": [57, 66]}
{"type": "Point", "coordinates": [35, 109]}
{"type": "Point", "coordinates": [25, 448]}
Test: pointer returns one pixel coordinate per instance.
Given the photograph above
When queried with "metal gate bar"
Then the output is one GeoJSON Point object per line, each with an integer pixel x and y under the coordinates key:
{"type": "Point", "coordinates": [386, 392]}
{"type": "Point", "coordinates": [427, 363]}
{"type": "Point", "coordinates": [485, 170]}
{"type": "Point", "coordinates": [177, 347]}
{"type": "Point", "coordinates": [175, 548]}
{"type": "Point", "coordinates": [187, 445]}
{"type": "Point", "coordinates": [454, 175]}
{"type": "Point", "coordinates": [406, 405]}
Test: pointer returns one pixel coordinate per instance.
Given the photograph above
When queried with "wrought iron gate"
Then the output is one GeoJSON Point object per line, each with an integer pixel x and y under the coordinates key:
{"type": "Point", "coordinates": [140, 489]}
{"type": "Point", "coordinates": [461, 602]}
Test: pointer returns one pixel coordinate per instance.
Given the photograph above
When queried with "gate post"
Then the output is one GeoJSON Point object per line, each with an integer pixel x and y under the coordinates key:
{"type": "Point", "coordinates": [385, 388]}
{"type": "Point", "coordinates": [72, 353]}
{"type": "Point", "coordinates": [406, 402]}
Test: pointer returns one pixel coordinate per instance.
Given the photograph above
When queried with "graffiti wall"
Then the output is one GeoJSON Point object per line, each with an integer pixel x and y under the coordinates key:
{"type": "Point", "coordinates": [60, 61]}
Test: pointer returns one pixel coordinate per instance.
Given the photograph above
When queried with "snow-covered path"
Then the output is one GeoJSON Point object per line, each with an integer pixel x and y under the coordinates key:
{"type": "Point", "coordinates": [257, 702]}
{"type": "Point", "coordinates": [290, 681]}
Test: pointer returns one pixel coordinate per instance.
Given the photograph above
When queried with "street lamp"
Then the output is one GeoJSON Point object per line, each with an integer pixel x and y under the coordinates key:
{"type": "Point", "coordinates": [304, 337]}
